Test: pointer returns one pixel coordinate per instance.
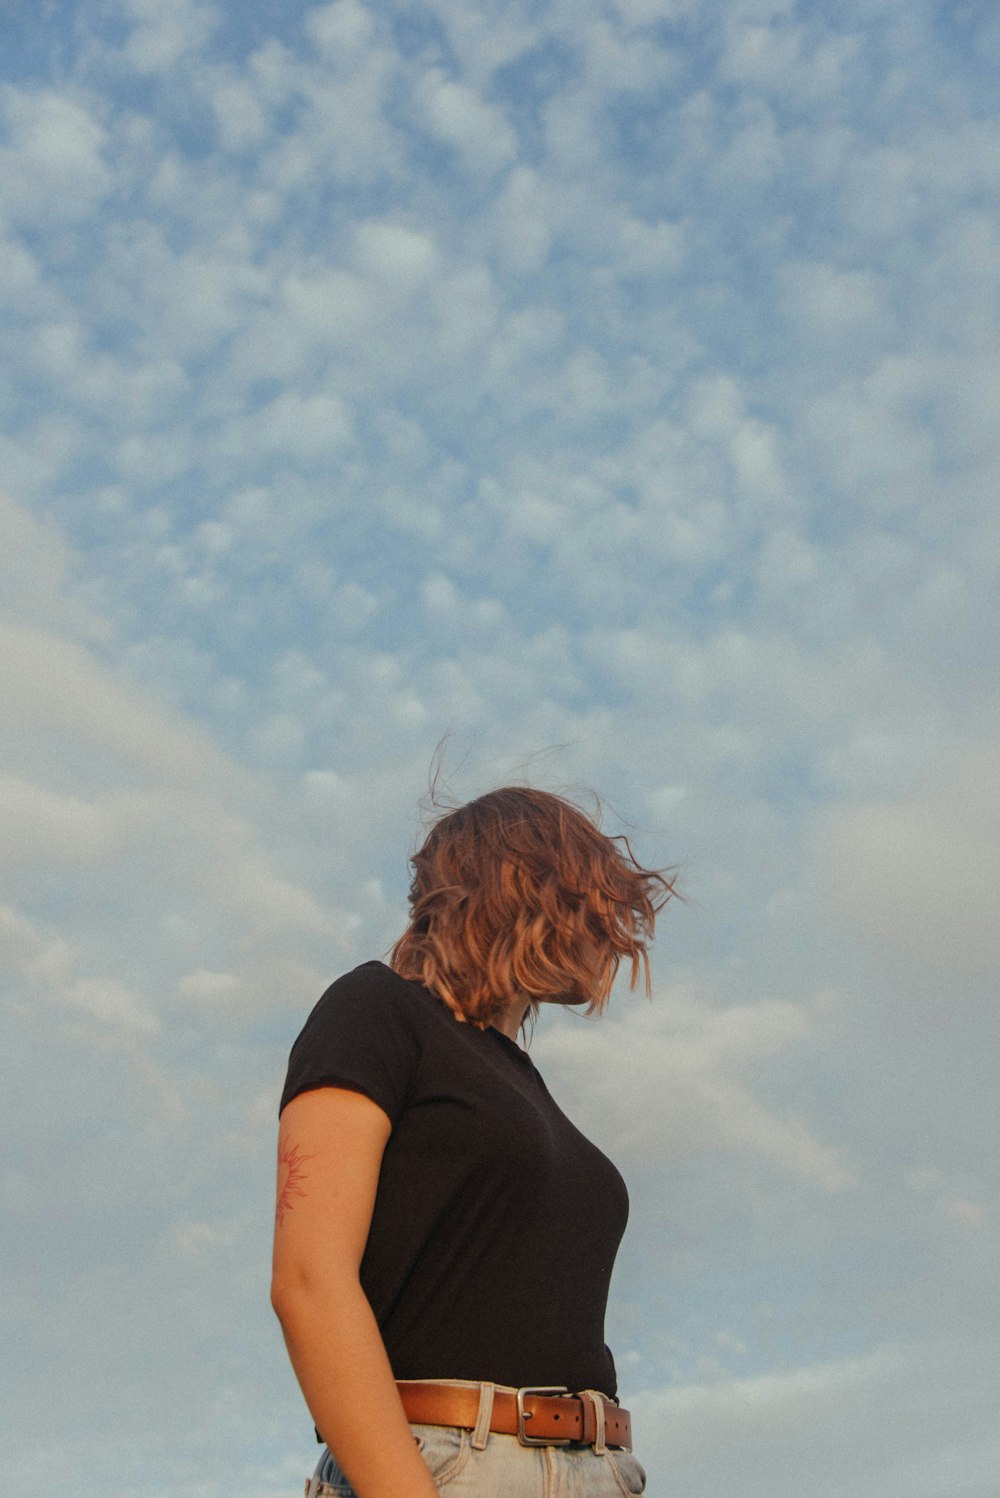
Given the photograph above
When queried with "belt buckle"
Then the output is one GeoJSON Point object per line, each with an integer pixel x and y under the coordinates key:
{"type": "Point", "coordinates": [523, 1415]}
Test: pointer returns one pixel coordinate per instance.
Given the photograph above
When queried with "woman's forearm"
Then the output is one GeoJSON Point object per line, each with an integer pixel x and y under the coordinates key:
{"type": "Point", "coordinates": [341, 1364]}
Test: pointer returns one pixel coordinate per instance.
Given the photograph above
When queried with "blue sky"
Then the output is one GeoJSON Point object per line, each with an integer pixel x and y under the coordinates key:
{"type": "Point", "coordinates": [612, 388]}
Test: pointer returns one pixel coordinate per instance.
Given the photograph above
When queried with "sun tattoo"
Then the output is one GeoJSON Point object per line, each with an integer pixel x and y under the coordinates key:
{"type": "Point", "coordinates": [290, 1178]}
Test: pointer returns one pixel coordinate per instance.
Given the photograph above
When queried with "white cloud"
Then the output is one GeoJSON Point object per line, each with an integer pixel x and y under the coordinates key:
{"type": "Point", "coordinates": [102, 777]}
{"type": "Point", "coordinates": [399, 256]}
{"type": "Point", "coordinates": [25, 948]}
{"type": "Point", "coordinates": [667, 1080]}
{"type": "Point", "coordinates": [652, 247]}
{"type": "Point", "coordinates": [160, 37]}
{"type": "Point", "coordinates": [955, 1204]}
{"type": "Point", "coordinates": [486, 37]}
{"type": "Point", "coordinates": [332, 301]}
{"type": "Point", "coordinates": [919, 875]}
{"type": "Point", "coordinates": [717, 412]}
{"type": "Point", "coordinates": [343, 27]}
{"type": "Point", "coordinates": [152, 459]}
{"type": "Point", "coordinates": [196, 1238]}
{"type": "Point", "coordinates": [841, 307]}
{"type": "Point", "coordinates": [612, 378]}
{"type": "Point", "coordinates": [54, 687]}
{"type": "Point", "coordinates": [47, 963]}
{"type": "Point", "coordinates": [21, 281]}
{"type": "Point", "coordinates": [870, 447]}
{"type": "Point", "coordinates": [37, 564]}
{"type": "Point", "coordinates": [614, 62]}
{"type": "Point", "coordinates": [241, 113]}
{"type": "Point", "coordinates": [110, 1002]}
{"type": "Point", "coordinates": [467, 306]}
{"type": "Point", "coordinates": [187, 299]}
{"type": "Point", "coordinates": [54, 169]}
{"type": "Point", "coordinates": [968, 1213]}
{"type": "Point", "coordinates": [451, 111]}
{"type": "Point", "coordinates": [341, 127]}
{"type": "Point", "coordinates": [784, 58]}
{"type": "Point", "coordinates": [306, 428]}
{"type": "Point", "coordinates": [136, 392]}
{"type": "Point", "coordinates": [522, 226]}
{"type": "Point", "coordinates": [268, 985]}
{"type": "Point", "coordinates": [35, 823]}
{"type": "Point", "coordinates": [783, 1432]}
{"type": "Point", "coordinates": [213, 988]}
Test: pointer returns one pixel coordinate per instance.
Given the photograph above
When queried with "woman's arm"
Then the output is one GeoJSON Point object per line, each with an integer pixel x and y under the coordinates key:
{"type": "Point", "coordinates": [330, 1148]}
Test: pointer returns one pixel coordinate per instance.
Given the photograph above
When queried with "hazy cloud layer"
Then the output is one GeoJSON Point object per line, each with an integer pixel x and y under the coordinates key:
{"type": "Point", "coordinates": [614, 388]}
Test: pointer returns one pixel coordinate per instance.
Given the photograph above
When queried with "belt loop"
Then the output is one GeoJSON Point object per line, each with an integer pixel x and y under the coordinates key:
{"type": "Point", "coordinates": [481, 1434]}
{"type": "Point", "coordinates": [597, 1399]}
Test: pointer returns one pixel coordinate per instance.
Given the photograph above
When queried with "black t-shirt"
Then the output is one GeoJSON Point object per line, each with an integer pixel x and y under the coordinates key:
{"type": "Point", "coordinates": [496, 1222]}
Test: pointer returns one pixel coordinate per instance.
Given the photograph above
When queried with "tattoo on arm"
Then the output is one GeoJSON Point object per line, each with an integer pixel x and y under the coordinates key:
{"type": "Point", "coordinates": [290, 1178]}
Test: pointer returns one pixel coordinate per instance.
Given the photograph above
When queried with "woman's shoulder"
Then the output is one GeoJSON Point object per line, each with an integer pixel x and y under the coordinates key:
{"type": "Point", "coordinates": [373, 977]}
{"type": "Point", "coordinates": [366, 1032]}
{"type": "Point", "coordinates": [372, 989]}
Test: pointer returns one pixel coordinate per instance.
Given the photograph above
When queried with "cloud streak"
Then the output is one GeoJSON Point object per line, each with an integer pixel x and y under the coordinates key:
{"type": "Point", "coordinates": [612, 381]}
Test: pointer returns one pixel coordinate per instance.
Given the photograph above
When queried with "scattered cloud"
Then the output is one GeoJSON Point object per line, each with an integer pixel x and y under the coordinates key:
{"type": "Point", "coordinates": [670, 1079]}
{"type": "Point", "coordinates": [612, 388]}
{"type": "Point", "coordinates": [906, 1438]}
{"type": "Point", "coordinates": [917, 875]}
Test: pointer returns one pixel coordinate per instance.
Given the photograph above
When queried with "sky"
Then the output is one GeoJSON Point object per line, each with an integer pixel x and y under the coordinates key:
{"type": "Point", "coordinates": [608, 390]}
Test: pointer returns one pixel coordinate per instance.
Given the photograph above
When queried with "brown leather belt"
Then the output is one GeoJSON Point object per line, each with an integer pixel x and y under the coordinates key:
{"type": "Point", "coordinates": [538, 1417]}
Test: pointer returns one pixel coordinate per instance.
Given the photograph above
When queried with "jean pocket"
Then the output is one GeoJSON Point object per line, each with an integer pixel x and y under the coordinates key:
{"type": "Point", "coordinates": [328, 1481]}
{"type": "Point", "coordinates": [444, 1448]}
{"type": "Point", "coordinates": [629, 1472]}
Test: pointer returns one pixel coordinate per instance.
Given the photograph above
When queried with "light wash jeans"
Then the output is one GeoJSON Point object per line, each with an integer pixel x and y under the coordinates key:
{"type": "Point", "coordinates": [470, 1464]}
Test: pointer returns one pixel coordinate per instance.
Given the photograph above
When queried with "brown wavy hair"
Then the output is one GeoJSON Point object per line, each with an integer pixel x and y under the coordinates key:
{"type": "Point", "coordinates": [520, 893]}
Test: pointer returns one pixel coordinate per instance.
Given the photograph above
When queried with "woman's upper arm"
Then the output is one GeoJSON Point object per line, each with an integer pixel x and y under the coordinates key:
{"type": "Point", "coordinates": [330, 1146]}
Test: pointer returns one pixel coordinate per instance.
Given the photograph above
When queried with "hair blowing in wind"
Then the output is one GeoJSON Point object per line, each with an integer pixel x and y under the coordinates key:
{"type": "Point", "coordinates": [520, 892]}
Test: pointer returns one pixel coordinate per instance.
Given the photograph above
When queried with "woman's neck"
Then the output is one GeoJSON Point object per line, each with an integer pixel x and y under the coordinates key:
{"type": "Point", "coordinates": [509, 1022]}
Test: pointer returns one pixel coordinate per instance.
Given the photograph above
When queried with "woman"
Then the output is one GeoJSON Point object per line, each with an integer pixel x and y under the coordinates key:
{"type": "Point", "coordinates": [444, 1236]}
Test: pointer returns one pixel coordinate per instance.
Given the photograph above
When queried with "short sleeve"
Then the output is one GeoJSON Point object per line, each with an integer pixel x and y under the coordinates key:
{"type": "Point", "coordinates": [363, 1034]}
